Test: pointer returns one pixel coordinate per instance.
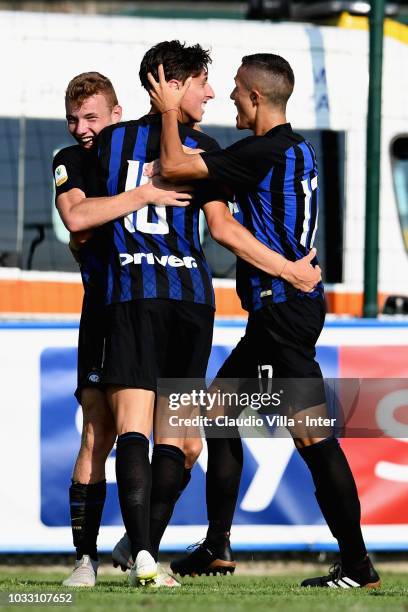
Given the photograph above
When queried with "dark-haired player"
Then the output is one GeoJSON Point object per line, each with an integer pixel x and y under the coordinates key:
{"type": "Point", "coordinates": [91, 104]}
{"type": "Point", "coordinates": [161, 302]}
{"type": "Point", "coordinates": [274, 177]}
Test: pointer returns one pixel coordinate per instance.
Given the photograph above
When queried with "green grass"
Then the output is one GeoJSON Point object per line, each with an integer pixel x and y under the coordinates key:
{"type": "Point", "coordinates": [229, 594]}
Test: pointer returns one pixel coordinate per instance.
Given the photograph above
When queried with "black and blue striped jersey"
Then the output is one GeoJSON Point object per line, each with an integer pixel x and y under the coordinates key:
{"type": "Point", "coordinates": [274, 178]}
{"type": "Point", "coordinates": [156, 251]}
{"type": "Point", "coordinates": [75, 168]}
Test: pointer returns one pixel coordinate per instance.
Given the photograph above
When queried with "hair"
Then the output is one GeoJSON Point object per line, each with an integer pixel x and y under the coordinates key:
{"type": "Point", "coordinates": [276, 76]}
{"type": "Point", "coordinates": [88, 84]}
{"type": "Point", "coordinates": [179, 61]}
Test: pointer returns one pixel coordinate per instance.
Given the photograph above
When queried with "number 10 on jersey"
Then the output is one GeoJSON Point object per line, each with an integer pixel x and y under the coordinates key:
{"type": "Point", "coordinates": [139, 220]}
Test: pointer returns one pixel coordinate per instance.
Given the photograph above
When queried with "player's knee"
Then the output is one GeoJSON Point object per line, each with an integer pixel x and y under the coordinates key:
{"type": "Point", "coordinates": [97, 440]}
{"type": "Point", "coordinates": [192, 448]}
{"type": "Point", "coordinates": [104, 441]}
{"type": "Point", "coordinates": [98, 430]}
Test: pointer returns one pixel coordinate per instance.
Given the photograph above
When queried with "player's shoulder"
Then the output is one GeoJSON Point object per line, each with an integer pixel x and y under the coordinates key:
{"type": "Point", "coordinates": [206, 142]}
{"type": "Point", "coordinates": [276, 143]}
{"type": "Point", "coordinates": [302, 145]}
{"type": "Point", "coordinates": [283, 137]}
{"type": "Point", "coordinates": [198, 139]}
{"type": "Point", "coordinates": [300, 139]}
{"type": "Point", "coordinates": [109, 131]}
{"type": "Point", "coordinates": [68, 155]}
{"type": "Point", "coordinates": [247, 143]}
{"type": "Point", "coordinates": [305, 144]}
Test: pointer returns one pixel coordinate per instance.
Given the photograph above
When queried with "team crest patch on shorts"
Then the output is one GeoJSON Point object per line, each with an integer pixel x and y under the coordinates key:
{"type": "Point", "coordinates": [94, 377]}
{"type": "Point", "coordinates": [61, 175]}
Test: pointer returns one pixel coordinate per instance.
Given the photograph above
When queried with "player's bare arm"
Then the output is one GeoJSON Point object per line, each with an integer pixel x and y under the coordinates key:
{"type": "Point", "coordinates": [174, 162]}
{"type": "Point", "coordinates": [80, 213]}
{"type": "Point", "coordinates": [235, 237]}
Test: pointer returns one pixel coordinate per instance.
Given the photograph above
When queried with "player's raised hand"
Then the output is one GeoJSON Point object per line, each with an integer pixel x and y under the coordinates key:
{"type": "Point", "coordinates": [302, 274]}
{"type": "Point", "coordinates": [166, 96]}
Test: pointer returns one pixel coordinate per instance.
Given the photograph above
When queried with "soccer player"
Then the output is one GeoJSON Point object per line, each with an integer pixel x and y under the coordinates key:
{"type": "Point", "coordinates": [91, 104]}
{"type": "Point", "coordinates": [274, 177]}
{"type": "Point", "coordinates": [160, 296]}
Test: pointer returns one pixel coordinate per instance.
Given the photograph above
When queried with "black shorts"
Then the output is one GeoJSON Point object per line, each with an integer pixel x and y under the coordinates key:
{"type": "Point", "coordinates": [91, 346]}
{"type": "Point", "coordinates": [279, 342]}
{"type": "Point", "coordinates": [156, 338]}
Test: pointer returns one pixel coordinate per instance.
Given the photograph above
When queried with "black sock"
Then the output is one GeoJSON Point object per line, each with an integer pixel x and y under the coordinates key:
{"type": "Point", "coordinates": [337, 495]}
{"type": "Point", "coordinates": [225, 459]}
{"type": "Point", "coordinates": [185, 480]}
{"type": "Point", "coordinates": [167, 477]}
{"type": "Point", "coordinates": [86, 505]}
{"type": "Point", "coordinates": [134, 479]}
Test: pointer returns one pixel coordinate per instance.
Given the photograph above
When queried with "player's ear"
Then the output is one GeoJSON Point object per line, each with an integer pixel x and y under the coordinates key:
{"type": "Point", "coordinates": [174, 84]}
{"type": "Point", "coordinates": [116, 113]}
{"type": "Point", "coordinates": [255, 97]}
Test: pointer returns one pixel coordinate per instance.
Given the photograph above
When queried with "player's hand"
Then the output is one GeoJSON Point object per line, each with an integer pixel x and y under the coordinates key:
{"type": "Point", "coordinates": [166, 96]}
{"type": "Point", "coordinates": [167, 194]}
{"type": "Point", "coordinates": [77, 240]}
{"type": "Point", "coordinates": [302, 274]}
{"type": "Point", "coordinates": [152, 168]}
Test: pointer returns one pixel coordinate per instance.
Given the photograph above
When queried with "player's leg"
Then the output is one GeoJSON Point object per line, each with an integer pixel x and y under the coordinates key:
{"type": "Point", "coordinates": [133, 414]}
{"type": "Point", "coordinates": [171, 464]}
{"type": "Point", "coordinates": [225, 460]}
{"type": "Point", "coordinates": [185, 364]}
{"type": "Point", "coordinates": [225, 454]}
{"type": "Point", "coordinates": [88, 489]}
{"type": "Point", "coordinates": [97, 439]}
{"type": "Point", "coordinates": [337, 496]}
{"type": "Point", "coordinates": [87, 492]}
{"type": "Point", "coordinates": [168, 467]}
{"type": "Point", "coordinates": [191, 444]}
{"type": "Point", "coordinates": [224, 468]}
{"type": "Point", "coordinates": [298, 324]}
{"type": "Point", "coordinates": [192, 447]}
{"type": "Point", "coordinates": [129, 373]}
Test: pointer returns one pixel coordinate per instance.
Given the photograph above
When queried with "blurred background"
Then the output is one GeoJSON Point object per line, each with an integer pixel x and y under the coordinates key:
{"type": "Point", "coordinates": [43, 45]}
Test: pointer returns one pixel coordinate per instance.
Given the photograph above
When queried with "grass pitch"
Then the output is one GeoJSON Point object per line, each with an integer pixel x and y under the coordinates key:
{"type": "Point", "coordinates": [214, 594]}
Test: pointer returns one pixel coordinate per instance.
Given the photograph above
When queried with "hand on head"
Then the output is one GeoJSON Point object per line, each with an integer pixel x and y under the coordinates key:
{"type": "Point", "coordinates": [166, 96]}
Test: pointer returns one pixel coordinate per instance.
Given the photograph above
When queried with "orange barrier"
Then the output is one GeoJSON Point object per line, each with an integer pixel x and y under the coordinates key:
{"type": "Point", "coordinates": [40, 297]}
{"type": "Point", "coordinates": [349, 303]}
{"type": "Point", "coordinates": [21, 296]}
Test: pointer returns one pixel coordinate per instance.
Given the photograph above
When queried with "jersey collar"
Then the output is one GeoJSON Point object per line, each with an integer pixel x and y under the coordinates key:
{"type": "Point", "coordinates": [282, 128]}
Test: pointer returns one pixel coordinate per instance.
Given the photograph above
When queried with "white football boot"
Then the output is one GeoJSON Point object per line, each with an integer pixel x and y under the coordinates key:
{"type": "Point", "coordinates": [84, 574]}
{"type": "Point", "coordinates": [144, 569]}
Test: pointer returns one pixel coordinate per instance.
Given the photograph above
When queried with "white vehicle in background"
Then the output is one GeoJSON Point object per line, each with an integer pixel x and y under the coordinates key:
{"type": "Point", "coordinates": [329, 105]}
